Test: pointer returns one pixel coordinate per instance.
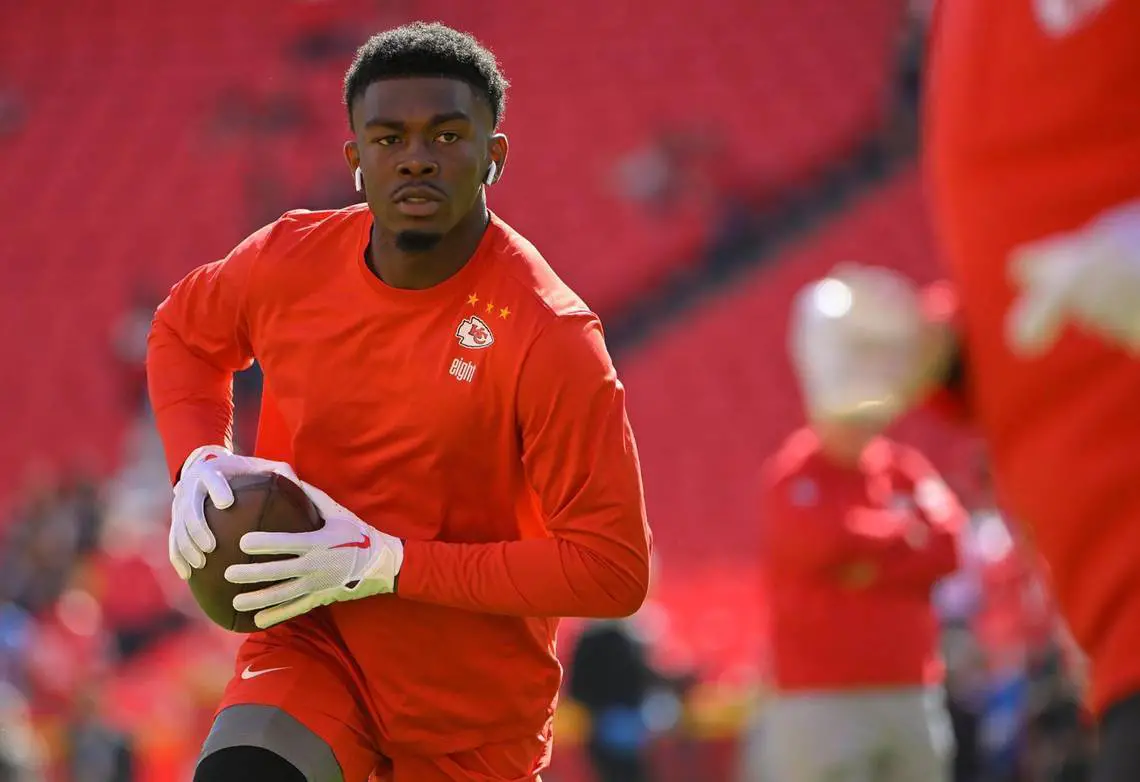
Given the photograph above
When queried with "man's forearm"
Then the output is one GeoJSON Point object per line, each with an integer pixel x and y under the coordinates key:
{"type": "Point", "coordinates": [546, 577]}
{"type": "Point", "coordinates": [191, 398]}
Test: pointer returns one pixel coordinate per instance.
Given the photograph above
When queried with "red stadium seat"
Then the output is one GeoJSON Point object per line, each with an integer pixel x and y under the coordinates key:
{"type": "Point", "coordinates": [123, 174]}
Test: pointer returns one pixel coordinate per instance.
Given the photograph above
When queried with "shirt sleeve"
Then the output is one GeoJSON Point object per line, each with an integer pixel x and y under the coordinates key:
{"type": "Point", "coordinates": [580, 459]}
{"type": "Point", "coordinates": [943, 517]}
{"type": "Point", "coordinates": [808, 533]}
{"type": "Point", "coordinates": [198, 340]}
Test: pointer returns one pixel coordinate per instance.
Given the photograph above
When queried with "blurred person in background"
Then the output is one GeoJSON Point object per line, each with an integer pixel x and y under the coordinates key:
{"type": "Point", "coordinates": [15, 634]}
{"type": "Point", "coordinates": [678, 167]}
{"type": "Point", "coordinates": [1059, 741]}
{"type": "Point", "coordinates": [984, 683]}
{"type": "Point", "coordinates": [41, 546]}
{"type": "Point", "coordinates": [151, 610]}
{"type": "Point", "coordinates": [21, 750]}
{"type": "Point", "coordinates": [96, 752]}
{"type": "Point", "coordinates": [857, 531]}
{"type": "Point", "coordinates": [630, 701]}
{"type": "Point", "coordinates": [128, 345]}
{"type": "Point", "coordinates": [966, 682]}
{"type": "Point", "coordinates": [1032, 150]}
{"type": "Point", "coordinates": [1014, 619]}
{"type": "Point", "coordinates": [87, 509]}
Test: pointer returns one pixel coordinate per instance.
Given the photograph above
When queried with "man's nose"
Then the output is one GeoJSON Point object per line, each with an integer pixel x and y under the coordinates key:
{"type": "Point", "coordinates": [417, 168]}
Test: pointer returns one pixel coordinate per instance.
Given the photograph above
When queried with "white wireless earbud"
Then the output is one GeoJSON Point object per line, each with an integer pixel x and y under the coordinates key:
{"type": "Point", "coordinates": [490, 178]}
{"type": "Point", "coordinates": [359, 180]}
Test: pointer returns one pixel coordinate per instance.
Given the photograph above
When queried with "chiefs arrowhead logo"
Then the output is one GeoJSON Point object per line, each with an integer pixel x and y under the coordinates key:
{"type": "Point", "coordinates": [474, 333]}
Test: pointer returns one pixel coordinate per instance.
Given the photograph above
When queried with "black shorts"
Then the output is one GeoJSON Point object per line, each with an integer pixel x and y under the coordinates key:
{"type": "Point", "coordinates": [1118, 753]}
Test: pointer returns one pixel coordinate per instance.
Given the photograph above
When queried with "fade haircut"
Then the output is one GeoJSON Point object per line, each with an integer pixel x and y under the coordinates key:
{"type": "Point", "coordinates": [420, 49]}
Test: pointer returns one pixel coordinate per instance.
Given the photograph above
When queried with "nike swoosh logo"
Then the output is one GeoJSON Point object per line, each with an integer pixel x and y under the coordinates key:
{"type": "Point", "coordinates": [366, 542]}
{"type": "Point", "coordinates": [249, 673]}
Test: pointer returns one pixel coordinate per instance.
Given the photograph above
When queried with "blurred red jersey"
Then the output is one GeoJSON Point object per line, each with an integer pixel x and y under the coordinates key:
{"type": "Point", "coordinates": [1033, 128]}
{"type": "Point", "coordinates": [480, 419]}
{"type": "Point", "coordinates": [820, 521]}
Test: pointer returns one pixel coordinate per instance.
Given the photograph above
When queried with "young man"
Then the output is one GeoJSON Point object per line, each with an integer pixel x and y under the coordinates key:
{"type": "Point", "coordinates": [1033, 152]}
{"type": "Point", "coordinates": [425, 367]}
{"type": "Point", "coordinates": [857, 531]}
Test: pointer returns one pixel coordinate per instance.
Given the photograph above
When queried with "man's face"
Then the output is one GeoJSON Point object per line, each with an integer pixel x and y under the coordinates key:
{"type": "Point", "coordinates": [423, 146]}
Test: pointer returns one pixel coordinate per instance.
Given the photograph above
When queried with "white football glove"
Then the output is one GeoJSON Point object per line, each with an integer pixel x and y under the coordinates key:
{"type": "Point", "coordinates": [861, 344]}
{"type": "Point", "coordinates": [345, 559]}
{"type": "Point", "coordinates": [204, 477]}
{"type": "Point", "coordinates": [1089, 278]}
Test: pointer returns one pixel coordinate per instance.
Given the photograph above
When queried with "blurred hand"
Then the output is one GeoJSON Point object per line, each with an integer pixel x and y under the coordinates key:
{"type": "Point", "coordinates": [863, 347]}
{"type": "Point", "coordinates": [1089, 278]}
{"type": "Point", "coordinates": [917, 534]}
{"type": "Point", "coordinates": [204, 477]}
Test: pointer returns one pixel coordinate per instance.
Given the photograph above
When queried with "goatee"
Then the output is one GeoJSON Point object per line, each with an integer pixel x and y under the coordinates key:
{"type": "Point", "coordinates": [417, 241]}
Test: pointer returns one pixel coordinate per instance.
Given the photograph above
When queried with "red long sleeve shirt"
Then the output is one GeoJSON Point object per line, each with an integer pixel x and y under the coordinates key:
{"type": "Point", "coordinates": [1031, 130]}
{"type": "Point", "coordinates": [821, 522]}
{"type": "Point", "coordinates": [481, 420]}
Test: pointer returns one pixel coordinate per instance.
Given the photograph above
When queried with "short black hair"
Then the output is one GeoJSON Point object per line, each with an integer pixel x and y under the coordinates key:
{"type": "Point", "coordinates": [423, 49]}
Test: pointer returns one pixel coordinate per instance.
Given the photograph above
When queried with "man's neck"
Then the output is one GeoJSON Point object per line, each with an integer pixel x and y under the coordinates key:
{"type": "Point", "coordinates": [842, 457]}
{"type": "Point", "coordinates": [841, 448]}
{"type": "Point", "coordinates": [417, 271]}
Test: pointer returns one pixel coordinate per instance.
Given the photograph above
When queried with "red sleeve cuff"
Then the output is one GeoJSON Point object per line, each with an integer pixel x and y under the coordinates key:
{"type": "Point", "coordinates": [410, 580]}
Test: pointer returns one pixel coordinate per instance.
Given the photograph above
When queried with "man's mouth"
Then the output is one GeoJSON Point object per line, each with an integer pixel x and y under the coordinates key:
{"type": "Point", "coordinates": [418, 201]}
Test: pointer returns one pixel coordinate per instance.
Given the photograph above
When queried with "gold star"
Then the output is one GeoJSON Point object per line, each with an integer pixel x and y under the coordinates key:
{"type": "Point", "coordinates": [505, 313]}
{"type": "Point", "coordinates": [472, 299]}
{"type": "Point", "coordinates": [490, 306]}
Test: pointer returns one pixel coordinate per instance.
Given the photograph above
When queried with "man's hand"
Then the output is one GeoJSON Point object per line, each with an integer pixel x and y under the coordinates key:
{"type": "Point", "coordinates": [345, 559]}
{"type": "Point", "coordinates": [917, 534]}
{"type": "Point", "coordinates": [204, 477]}
{"type": "Point", "coordinates": [1089, 278]}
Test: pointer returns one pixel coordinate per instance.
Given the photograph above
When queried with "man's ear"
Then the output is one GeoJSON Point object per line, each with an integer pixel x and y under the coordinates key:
{"type": "Point", "coordinates": [352, 155]}
{"type": "Point", "coordinates": [497, 148]}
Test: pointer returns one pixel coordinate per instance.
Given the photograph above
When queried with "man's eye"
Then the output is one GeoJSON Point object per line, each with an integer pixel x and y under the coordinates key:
{"type": "Point", "coordinates": [447, 137]}
{"type": "Point", "coordinates": [387, 141]}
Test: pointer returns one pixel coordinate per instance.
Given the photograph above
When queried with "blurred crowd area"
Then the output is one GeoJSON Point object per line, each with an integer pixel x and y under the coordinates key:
{"type": "Point", "coordinates": [108, 671]}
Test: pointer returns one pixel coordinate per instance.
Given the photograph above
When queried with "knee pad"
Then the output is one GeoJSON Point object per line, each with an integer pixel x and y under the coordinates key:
{"type": "Point", "coordinates": [246, 764]}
